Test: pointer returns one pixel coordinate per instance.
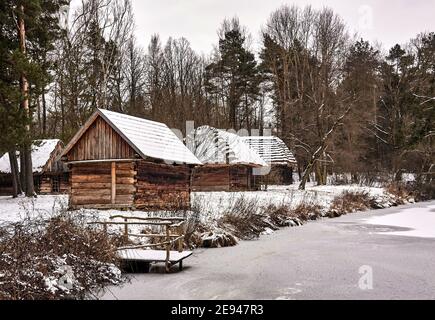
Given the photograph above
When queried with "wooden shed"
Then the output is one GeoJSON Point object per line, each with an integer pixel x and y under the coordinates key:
{"type": "Point", "coordinates": [49, 174]}
{"type": "Point", "coordinates": [120, 161]}
{"type": "Point", "coordinates": [278, 156]}
{"type": "Point", "coordinates": [228, 163]}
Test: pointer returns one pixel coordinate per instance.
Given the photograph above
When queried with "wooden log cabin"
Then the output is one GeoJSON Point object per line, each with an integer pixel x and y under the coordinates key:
{"type": "Point", "coordinates": [49, 174]}
{"type": "Point", "coordinates": [228, 163]}
{"type": "Point", "coordinates": [120, 161]}
{"type": "Point", "coordinates": [277, 155]}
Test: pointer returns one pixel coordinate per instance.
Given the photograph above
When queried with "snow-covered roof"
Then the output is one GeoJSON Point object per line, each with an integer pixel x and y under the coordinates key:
{"type": "Point", "coordinates": [271, 149]}
{"type": "Point", "coordinates": [214, 146]}
{"type": "Point", "coordinates": [41, 153]}
{"type": "Point", "coordinates": [148, 138]}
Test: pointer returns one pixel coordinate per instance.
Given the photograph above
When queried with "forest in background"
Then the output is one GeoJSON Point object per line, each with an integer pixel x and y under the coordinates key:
{"type": "Point", "coordinates": [336, 100]}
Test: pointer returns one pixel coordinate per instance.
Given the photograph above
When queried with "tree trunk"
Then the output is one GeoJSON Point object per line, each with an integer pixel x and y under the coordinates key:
{"type": "Point", "coordinates": [306, 175]}
{"type": "Point", "coordinates": [62, 108]}
{"type": "Point", "coordinates": [325, 170]}
{"type": "Point", "coordinates": [30, 187]}
{"type": "Point", "coordinates": [320, 150]}
{"type": "Point", "coordinates": [24, 87]}
{"type": "Point", "coordinates": [22, 170]}
{"type": "Point", "coordinates": [44, 116]}
{"type": "Point", "coordinates": [16, 184]}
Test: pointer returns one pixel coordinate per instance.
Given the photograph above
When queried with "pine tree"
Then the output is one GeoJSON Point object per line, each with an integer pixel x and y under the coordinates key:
{"type": "Point", "coordinates": [29, 27]}
{"type": "Point", "coordinates": [234, 77]}
{"type": "Point", "coordinates": [356, 146]}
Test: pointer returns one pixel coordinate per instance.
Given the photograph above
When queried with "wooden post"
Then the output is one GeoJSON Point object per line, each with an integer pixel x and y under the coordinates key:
{"type": "Point", "coordinates": [126, 230]}
{"type": "Point", "coordinates": [168, 248]}
{"type": "Point", "coordinates": [180, 241]}
{"type": "Point", "coordinates": [113, 195]}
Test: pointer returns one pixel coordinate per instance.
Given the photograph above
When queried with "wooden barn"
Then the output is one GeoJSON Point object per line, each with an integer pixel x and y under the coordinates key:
{"type": "Point", "coordinates": [276, 153]}
{"type": "Point", "coordinates": [49, 174]}
{"type": "Point", "coordinates": [228, 163]}
{"type": "Point", "coordinates": [120, 161]}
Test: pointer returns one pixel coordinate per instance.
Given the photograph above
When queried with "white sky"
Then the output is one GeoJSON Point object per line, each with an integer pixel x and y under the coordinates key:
{"type": "Point", "coordinates": [386, 21]}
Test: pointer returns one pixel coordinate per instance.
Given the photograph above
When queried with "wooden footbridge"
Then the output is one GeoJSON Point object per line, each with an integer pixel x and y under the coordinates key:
{"type": "Point", "coordinates": [142, 255]}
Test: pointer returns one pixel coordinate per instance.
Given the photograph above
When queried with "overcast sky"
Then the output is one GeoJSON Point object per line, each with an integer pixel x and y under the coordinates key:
{"type": "Point", "coordinates": [386, 21]}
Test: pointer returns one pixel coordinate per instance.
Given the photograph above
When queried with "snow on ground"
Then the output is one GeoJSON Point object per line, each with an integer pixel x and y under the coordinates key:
{"type": "Point", "coordinates": [14, 210]}
{"type": "Point", "coordinates": [420, 221]}
{"type": "Point", "coordinates": [212, 204]}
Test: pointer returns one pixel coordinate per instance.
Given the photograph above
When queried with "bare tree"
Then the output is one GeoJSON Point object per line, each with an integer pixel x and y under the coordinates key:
{"type": "Point", "coordinates": [303, 54]}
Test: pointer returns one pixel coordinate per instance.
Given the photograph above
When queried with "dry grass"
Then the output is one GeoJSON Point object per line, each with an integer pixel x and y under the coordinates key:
{"type": "Point", "coordinates": [281, 216]}
{"type": "Point", "coordinates": [308, 211]}
{"type": "Point", "coordinates": [350, 202]}
{"type": "Point", "coordinates": [248, 219]}
{"type": "Point", "coordinates": [401, 192]}
{"type": "Point", "coordinates": [217, 238]}
{"type": "Point", "coordinates": [61, 258]}
{"type": "Point", "coordinates": [411, 191]}
{"type": "Point", "coordinates": [284, 216]}
{"type": "Point", "coordinates": [245, 220]}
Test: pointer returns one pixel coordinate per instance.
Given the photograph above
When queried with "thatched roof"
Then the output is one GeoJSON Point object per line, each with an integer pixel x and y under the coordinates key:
{"type": "Point", "coordinates": [271, 149]}
{"type": "Point", "coordinates": [214, 146]}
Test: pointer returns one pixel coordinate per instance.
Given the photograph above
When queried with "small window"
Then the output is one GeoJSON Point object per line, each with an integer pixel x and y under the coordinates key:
{"type": "Point", "coordinates": [55, 184]}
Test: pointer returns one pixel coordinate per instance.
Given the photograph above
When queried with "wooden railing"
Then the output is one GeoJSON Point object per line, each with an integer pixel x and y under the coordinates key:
{"type": "Point", "coordinates": [174, 232]}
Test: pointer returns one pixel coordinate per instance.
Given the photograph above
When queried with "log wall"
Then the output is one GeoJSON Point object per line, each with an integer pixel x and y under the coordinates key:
{"type": "Point", "coordinates": [100, 142]}
{"type": "Point", "coordinates": [280, 174]}
{"type": "Point", "coordinates": [162, 186]}
{"type": "Point", "coordinates": [92, 185]}
{"type": "Point", "coordinates": [240, 178]}
{"type": "Point", "coordinates": [222, 178]}
{"type": "Point", "coordinates": [43, 184]}
{"type": "Point", "coordinates": [46, 183]}
{"type": "Point", "coordinates": [211, 178]}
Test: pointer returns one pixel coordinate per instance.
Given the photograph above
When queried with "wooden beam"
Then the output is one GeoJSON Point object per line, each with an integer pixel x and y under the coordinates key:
{"type": "Point", "coordinates": [100, 161]}
{"type": "Point", "coordinates": [113, 198]}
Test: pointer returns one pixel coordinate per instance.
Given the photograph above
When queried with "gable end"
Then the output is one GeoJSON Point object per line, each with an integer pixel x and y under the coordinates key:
{"type": "Point", "coordinates": [100, 142]}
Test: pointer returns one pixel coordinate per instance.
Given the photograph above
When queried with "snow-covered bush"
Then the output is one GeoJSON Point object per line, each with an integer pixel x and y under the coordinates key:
{"type": "Point", "coordinates": [400, 192]}
{"type": "Point", "coordinates": [61, 258]}
{"type": "Point", "coordinates": [350, 201]}
{"type": "Point", "coordinates": [245, 219]}
{"type": "Point", "coordinates": [308, 211]}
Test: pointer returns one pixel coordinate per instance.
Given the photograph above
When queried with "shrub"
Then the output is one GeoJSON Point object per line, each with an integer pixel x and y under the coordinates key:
{"type": "Point", "coordinates": [411, 191]}
{"type": "Point", "coordinates": [400, 191]}
{"type": "Point", "coordinates": [218, 238]}
{"type": "Point", "coordinates": [245, 220]}
{"type": "Point", "coordinates": [424, 191]}
{"type": "Point", "coordinates": [307, 211]}
{"type": "Point", "coordinates": [280, 216]}
{"type": "Point", "coordinates": [350, 202]}
{"type": "Point", "coordinates": [62, 258]}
